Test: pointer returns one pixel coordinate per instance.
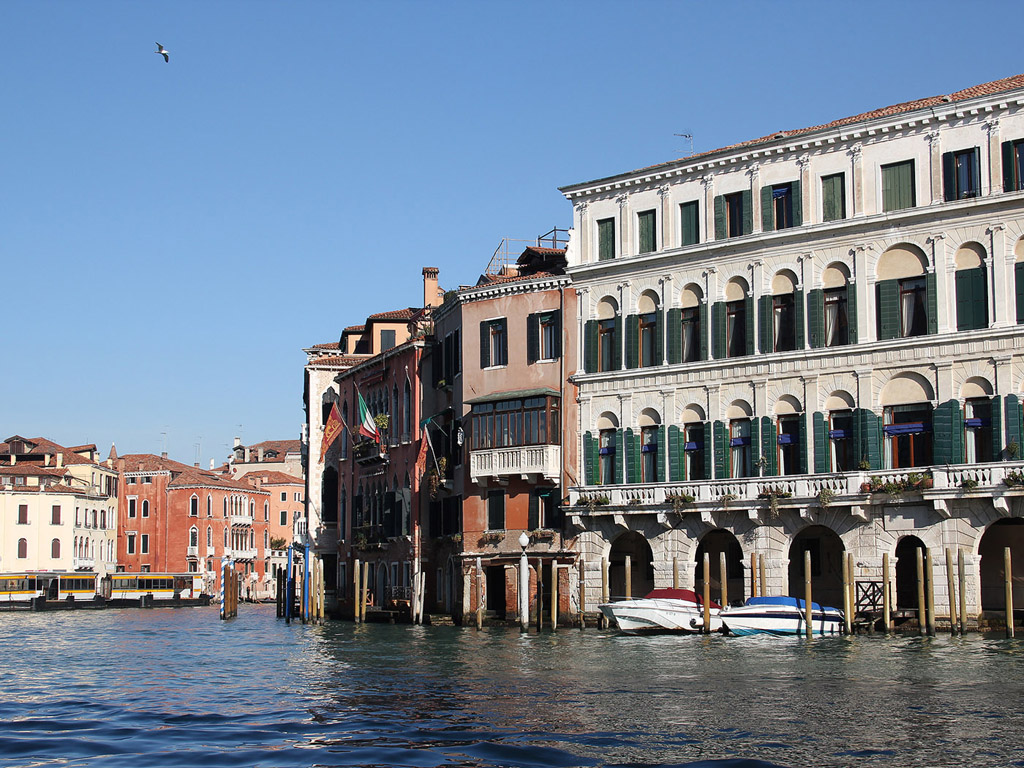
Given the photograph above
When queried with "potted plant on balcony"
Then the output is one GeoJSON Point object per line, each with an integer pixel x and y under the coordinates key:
{"type": "Point", "coordinates": [825, 497]}
{"type": "Point", "coordinates": [1014, 479]}
{"type": "Point", "coordinates": [492, 537]}
{"type": "Point", "coordinates": [542, 534]}
{"type": "Point", "coordinates": [773, 494]}
{"type": "Point", "coordinates": [968, 483]}
{"type": "Point", "coordinates": [679, 501]}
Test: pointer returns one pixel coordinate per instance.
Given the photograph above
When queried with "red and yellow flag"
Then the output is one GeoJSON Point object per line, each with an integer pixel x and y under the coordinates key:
{"type": "Point", "coordinates": [331, 431]}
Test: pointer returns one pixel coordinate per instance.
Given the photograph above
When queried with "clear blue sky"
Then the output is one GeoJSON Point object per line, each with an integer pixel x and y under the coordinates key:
{"type": "Point", "coordinates": [172, 235]}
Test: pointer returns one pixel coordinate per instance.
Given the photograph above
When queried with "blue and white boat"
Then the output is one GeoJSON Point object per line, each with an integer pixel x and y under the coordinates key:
{"type": "Point", "coordinates": [780, 616]}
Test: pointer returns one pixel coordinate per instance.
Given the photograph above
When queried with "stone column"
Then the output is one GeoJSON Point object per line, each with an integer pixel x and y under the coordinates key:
{"type": "Point", "coordinates": [667, 229]}
{"type": "Point", "coordinates": [807, 283]}
{"type": "Point", "coordinates": [625, 226]}
{"type": "Point", "coordinates": [811, 398]}
{"type": "Point", "coordinates": [709, 207]}
{"type": "Point", "coordinates": [756, 290]}
{"type": "Point", "coordinates": [994, 168]}
{"type": "Point", "coordinates": [666, 301]}
{"type": "Point", "coordinates": [583, 311]}
{"type": "Point", "coordinates": [857, 176]}
{"type": "Point", "coordinates": [710, 276]}
{"type": "Point", "coordinates": [934, 168]}
{"type": "Point", "coordinates": [583, 230]}
{"type": "Point", "coordinates": [625, 302]}
{"type": "Point", "coordinates": [1001, 284]}
{"type": "Point", "coordinates": [754, 172]}
{"type": "Point", "coordinates": [808, 192]}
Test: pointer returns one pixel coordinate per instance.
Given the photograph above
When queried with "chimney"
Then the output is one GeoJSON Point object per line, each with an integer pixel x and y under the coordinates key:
{"type": "Point", "coordinates": [247, 453]}
{"type": "Point", "coordinates": [212, 464]}
{"type": "Point", "coordinates": [430, 289]}
{"type": "Point", "coordinates": [60, 460]}
{"type": "Point", "coordinates": [259, 453]}
{"type": "Point", "coordinates": [196, 465]}
{"type": "Point", "coordinates": [163, 454]}
{"type": "Point", "coordinates": [238, 442]}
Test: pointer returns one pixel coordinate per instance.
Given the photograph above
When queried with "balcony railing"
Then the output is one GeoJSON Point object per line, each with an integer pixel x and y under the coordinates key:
{"type": "Point", "coordinates": [805, 491]}
{"type": "Point", "coordinates": [541, 460]}
{"type": "Point", "coordinates": [245, 553]}
{"type": "Point", "coordinates": [243, 518]}
{"type": "Point", "coordinates": [192, 552]}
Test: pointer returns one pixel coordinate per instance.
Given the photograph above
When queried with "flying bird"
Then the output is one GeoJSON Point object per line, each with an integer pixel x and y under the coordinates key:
{"type": "Point", "coordinates": [162, 51]}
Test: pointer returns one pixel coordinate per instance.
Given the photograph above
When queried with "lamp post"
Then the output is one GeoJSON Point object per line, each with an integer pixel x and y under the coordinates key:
{"type": "Point", "coordinates": [524, 585]}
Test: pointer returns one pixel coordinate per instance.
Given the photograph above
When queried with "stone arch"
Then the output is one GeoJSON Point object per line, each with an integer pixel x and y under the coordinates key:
{"type": "Point", "coordinates": [827, 551]}
{"type": "Point", "coordinates": [1018, 250]}
{"type": "Point", "coordinates": [607, 308]}
{"type": "Point", "coordinates": [970, 255]}
{"type": "Point", "coordinates": [1007, 532]}
{"type": "Point", "coordinates": [641, 558]}
{"type": "Point", "coordinates": [692, 413]}
{"type": "Point", "coordinates": [649, 417]}
{"type": "Point", "coordinates": [786, 405]}
{"type": "Point", "coordinates": [739, 409]}
{"type": "Point", "coordinates": [607, 420]}
{"type": "Point", "coordinates": [647, 302]}
{"type": "Point", "coordinates": [905, 569]}
{"type": "Point", "coordinates": [691, 296]}
{"type": "Point", "coordinates": [784, 282]}
{"type": "Point", "coordinates": [973, 369]}
{"type": "Point", "coordinates": [736, 289]}
{"type": "Point", "coordinates": [839, 400]}
{"type": "Point", "coordinates": [835, 275]}
{"type": "Point", "coordinates": [906, 387]}
{"type": "Point", "coordinates": [976, 386]}
{"type": "Point", "coordinates": [900, 261]}
{"type": "Point", "coordinates": [714, 543]}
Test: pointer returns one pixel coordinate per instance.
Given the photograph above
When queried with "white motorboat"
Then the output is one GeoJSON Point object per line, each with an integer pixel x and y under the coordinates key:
{"type": "Point", "coordinates": [663, 610]}
{"type": "Point", "coordinates": [780, 616]}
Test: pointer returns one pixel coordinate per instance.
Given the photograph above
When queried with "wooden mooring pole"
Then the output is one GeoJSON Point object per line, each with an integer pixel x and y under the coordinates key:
{"type": "Point", "coordinates": [602, 619]}
{"type": "Point", "coordinates": [356, 581]}
{"type": "Point", "coordinates": [961, 569]}
{"type": "Point", "coordinates": [951, 589]}
{"type": "Point", "coordinates": [930, 593]}
{"type": "Point", "coordinates": [853, 593]}
{"type": "Point", "coordinates": [723, 576]}
{"type": "Point", "coordinates": [886, 602]}
{"type": "Point", "coordinates": [764, 582]}
{"type": "Point", "coordinates": [479, 594]}
{"type": "Point", "coordinates": [583, 594]}
{"type": "Point", "coordinates": [808, 611]}
{"type": "Point", "coordinates": [675, 573]}
{"type": "Point", "coordinates": [1008, 589]}
{"type": "Point", "coordinates": [540, 594]}
{"type": "Point", "coordinates": [554, 594]}
{"type": "Point", "coordinates": [753, 574]}
{"type": "Point", "coordinates": [629, 576]}
{"type": "Point", "coordinates": [921, 618]}
{"type": "Point", "coordinates": [707, 593]}
{"type": "Point", "coordinates": [363, 594]}
{"type": "Point", "coordinates": [846, 597]}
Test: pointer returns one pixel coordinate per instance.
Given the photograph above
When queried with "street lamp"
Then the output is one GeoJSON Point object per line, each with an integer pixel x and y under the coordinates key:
{"type": "Point", "coordinates": [524, 585]}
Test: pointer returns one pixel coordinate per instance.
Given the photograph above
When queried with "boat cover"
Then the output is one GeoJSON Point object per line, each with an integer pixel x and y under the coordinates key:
{"type": "Point", "coordinates": [781, 600]}
{"type": "Point", "coordinates": [668, 593]}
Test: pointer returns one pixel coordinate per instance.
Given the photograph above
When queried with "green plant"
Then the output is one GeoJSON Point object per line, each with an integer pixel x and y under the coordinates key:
{"type": "Point", "coordinates": [1014, 479]}
{"type": "Point", "coordinates": [864, 465]}
{"type": "Point", "coordinates": [825, 497]}
{"type": "Point", "coordinates": [381, 421]}
{"type": "Point", "coordinates": [278, 542]}
{"type": "Point", "coordinates": [773, 494]}
{"type": "Point", "coordinates": [679, 500]}
{"type": "Point", "coordinates": [725, 498]}
{"type": "Point", "coordinates": [1012, 449]}
{"type": "Point", "coordinates": [968, 483]}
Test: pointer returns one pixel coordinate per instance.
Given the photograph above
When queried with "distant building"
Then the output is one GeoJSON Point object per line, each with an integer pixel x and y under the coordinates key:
{"type": "Point", "coordinates": [271, 455]}
{"type": "Point", "coordinates": [58, 507]}
{"type": "Point", "coordinates": [284, 516]}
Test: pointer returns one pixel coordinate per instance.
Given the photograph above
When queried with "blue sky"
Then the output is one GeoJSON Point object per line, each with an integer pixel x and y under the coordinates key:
{"type": "Point", "coordinates": [173, 235]}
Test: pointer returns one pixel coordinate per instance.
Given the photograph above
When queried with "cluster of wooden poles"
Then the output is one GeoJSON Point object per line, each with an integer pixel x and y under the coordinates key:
{"type": "Point", "coordinates": [360, 577]}
{"type": "Point", "coordinates": [311, 607]}
{"type": "Point", "coordinates": [229, 578]}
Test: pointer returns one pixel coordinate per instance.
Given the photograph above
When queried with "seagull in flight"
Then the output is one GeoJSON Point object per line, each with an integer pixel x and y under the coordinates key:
{"type": "Point", "coordinates": [162, 51]}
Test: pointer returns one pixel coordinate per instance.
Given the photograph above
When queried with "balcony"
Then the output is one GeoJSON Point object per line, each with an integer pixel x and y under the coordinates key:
{"type": "Point", "coordinates": [527, 461]}
{"type": "Point", "coordinates": [369, 453]}
{"type": "Point", "coordinates": [242, 518]}
{"type": "Point", "coordinates": [855, 491]}
{"type": "Point", "coordinates": [192, 552]}
{"type": "Point", "coordinates": [245, 553]}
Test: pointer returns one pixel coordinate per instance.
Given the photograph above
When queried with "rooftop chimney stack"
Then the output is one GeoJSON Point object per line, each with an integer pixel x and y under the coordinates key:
{"type": "Point", "coordinates": [238, 442]}
{"type": "Point", "coordinates": [432, 294]}
{"type": "Point", "coordinates": [163, 454]}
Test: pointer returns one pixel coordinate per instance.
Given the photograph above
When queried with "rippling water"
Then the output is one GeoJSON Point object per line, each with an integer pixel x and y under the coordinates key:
{"type": "Point", "coordinates": [180, 687]}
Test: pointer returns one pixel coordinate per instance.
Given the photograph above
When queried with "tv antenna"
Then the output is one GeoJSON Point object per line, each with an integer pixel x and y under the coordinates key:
{"type": "Point", "coordinates": [688, 137]}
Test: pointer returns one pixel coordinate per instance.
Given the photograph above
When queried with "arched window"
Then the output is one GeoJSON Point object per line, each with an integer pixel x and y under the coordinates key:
{"type": "Point", "coordinates": [782, 320]}
{"type": "Point", "coordinates": [209, 505]}
{"type": "Point", "coordinates": [193, 536]}
{"type": "Point", "coordinates": [266, 510]}
{"type": "Point", "coordinates": [193, 506]}
{"type": "Point", "coordinates": [693, 448]}
{"type": "Point", "coordinates": [225, 506]}
{"type": "Point", "coordinates": [22, 548]}
{"type": "Point", "coordinates": [55, 549]}
{"type": "Point", "coordinates": [608, 438]}
{"type": "Point", "coordinates": [907, 421]}
{"type": "Point", "coordinates": [266, 540]}
{"type": "Point", "coordinates": [905, 294]}
{"type": "Point", "coordinates": [734, 329]}
{"type": "Point", "coordinates": [209, 536]}
{"type": "Point", "coordinates": [644, 333]}
{"type": "Point", "coordinates": [843, 449]}
{"type": "Point", "coordinates": [103, 518]}
{"type": "Point", "coordinates": [225, 538]}
{"type": "Point", "coordinates": [407, 412]}
{"type": "Point", "coordinates": [602, 344]}
{"type": "Point", "coordinates": [686, 327]}
{"type": "Point", "coordinates": [831, 310]}
{"type": "Point", "coordinates": [651, 439]}
{"type": "Point", "coordinates": [145, 507]}
{"type": "Point", "coordinates": [740, 452]}
{"type": "Point", "coordinates": [790, 436]}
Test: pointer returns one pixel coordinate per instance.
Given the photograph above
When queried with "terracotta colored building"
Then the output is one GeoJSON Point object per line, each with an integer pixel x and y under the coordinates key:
{"type": "Point", "coordinates": [178, 518]}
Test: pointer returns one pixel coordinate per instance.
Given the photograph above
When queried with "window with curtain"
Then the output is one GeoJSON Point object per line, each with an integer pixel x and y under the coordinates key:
{"type": "Point", "coordinates": [837, 322]}
{"type": "Point", "coordinates": [978, 430]}
{"type": "Point", "coordinates": [908, 435]}
{"type": "Point", "coordinates": [648, 339]}
{"type": "Point", "coordinates": [913, 307]}
{"type": "Point", "coordinates": [606, 454]}
{"type": "Point", "coordinates": [691, 334]}
{"type": "Point", "coordinates": [842, 449]}
{"type": "Point", "coordinates": [789, 445]}
{"type": "Point", "coordinates": [736, 328]}
{"type": "Point", "coordinates": [693, 449]}
{"type": "Point", "coordinates": [739, 448]}
{"type": "Point", "coordinates": [784, 322]}
{"type": "Point", "coordinates": [606, 344]}
{"type": "Point", "coordinates": [649, 454]}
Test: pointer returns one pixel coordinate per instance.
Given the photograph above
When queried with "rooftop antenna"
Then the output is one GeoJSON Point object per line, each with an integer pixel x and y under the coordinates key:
{"type": "Point", "coordinates": [199, 449]}
{"type": "Point", "coordinates": [688, 137]}
{"type": "Point", "coordinates": [163, 442]}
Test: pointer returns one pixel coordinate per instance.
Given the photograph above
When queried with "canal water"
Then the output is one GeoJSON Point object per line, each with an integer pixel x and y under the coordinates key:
{"type": "Point", "coordinates": [180, 687]}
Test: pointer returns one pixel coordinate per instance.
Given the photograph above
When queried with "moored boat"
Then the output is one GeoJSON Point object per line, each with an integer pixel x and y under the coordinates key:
{"type": "Point", "coordinates": [780, 616]}
{"type": "Point", "coordinates": [663, 610]}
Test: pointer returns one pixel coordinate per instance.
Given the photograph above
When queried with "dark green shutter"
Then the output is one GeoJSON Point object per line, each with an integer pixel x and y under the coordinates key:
{"type": "Point", "coordinates": [851, 312]}
{"type": "Point", "coordinates": [997, 426]}
{"type": "Point", "coordinates": [816, 317]}
{"type": "Point", "coordinates": [932, 296]}
{"type": "Point", "coordinates": [606, 239]}
{"type": "Point", "coordinates": [702, 314]}
{"type": "Point", "coordinates": [718, 314]}
{"type": "Point", "coordinates": [662, 456]}
{"type": "Point", "coordinates": [858, 437]}
{"type": "Point", "coordinates": [821, 443]}
{"type": "Point", "coordinates": [769, 447]}
{"type": "Point", "coordinates": [720, 232]}
{"type": "Point", "coordinates": [755, 445]}
{"type": "Point", "coordinates": [485, 344]}
{"type": "Point", "coordinates": [976, 173]}
{"type": "Point", "coordinates": [659, 337]}
{"type": "Point", "coordinates": [1018, 277]}
{"type": "Point", "coordinates": [798, 317]}
{"type": "Point", "coordinates": [532, 338]}
{"type": "Point", "coordinates": [948, 176]}
{"type": "Point", "coordinates": [690, 223]}
{"type": "Point", "coordinates": [948, 433]}
{"type": "Point", "coordinates": [971, 299]}
{"type": "Point", "coordinates": [620, 456]}
{"type": "Point", "coordinates": [766, 330]}
{"type": "Point", "coordinates": [871, 434]}
{"type": "Point", "coordinates": [748, 212]}
{"type": "Point", "coordinates": [589, 465]}
{"type": "Point", "coordinates": [796, 199]}
{"type": "Point", "coordinates": [647, 221]}
{"type": "Point", "coordinates": [749, 314]}
{"type": "Point", "coordinates": [767, 210]}
{"type": "Point", "coordinates": [617, 344]}
{"type": "Point", "coordinates": [590, 353]}
{"type": "Point", "coordinates": [709, 451]}
{"type": "Point", "coordinates": [1014, 425]}
{"type": "Point", "coordinates": [675, 459]}
{"type": "Point", "coordinates": [888, 309]}
{"type": "Point", "coordinates": [675, 336]}
{"type": "Point", "coordinates": [632, 337]}
{"type": "Point", "coordinates": [801, 443]}
{"type": "Point", "coordinates": [721, 450]}
{"type": "Point", "coordinates": [1009, 177]}
{"type": "Point", "coordinates": [632, 458]}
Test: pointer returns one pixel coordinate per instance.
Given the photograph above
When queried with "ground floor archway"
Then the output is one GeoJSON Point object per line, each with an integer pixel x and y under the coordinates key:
{"type": "Point", "coordinates": [827, 553]}
{"type": "Point", "coordinates": [635, 546]}
{"type": "Point", "coordinates": [906, 571]}
{"type": "Point", "coordinates": [714, 543]}
{"type": "Point", "coordinates": [997, 537]}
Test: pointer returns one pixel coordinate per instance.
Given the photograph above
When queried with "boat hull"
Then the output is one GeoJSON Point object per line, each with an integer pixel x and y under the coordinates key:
{"type": "Point", "coordinates": [646, 615]}
{"type": "Point", "coordinates": [781, 620]}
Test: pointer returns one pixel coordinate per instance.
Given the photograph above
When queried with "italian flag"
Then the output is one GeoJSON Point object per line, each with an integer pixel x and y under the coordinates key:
{"type": "Point", "coordinates": [367, 426]}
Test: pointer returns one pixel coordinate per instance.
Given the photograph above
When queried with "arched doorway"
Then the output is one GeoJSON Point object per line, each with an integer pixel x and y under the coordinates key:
{"type": "Point", "coordinates": [827, 553]}
{"type": "Point", "coordinates": [1001, 534]}
{"type": "Point", "coordinates": [641, 566]}
{"type": "Point", "coordinates": [715, 543]}
{"type": "Point", "coordinates": [906, 572]}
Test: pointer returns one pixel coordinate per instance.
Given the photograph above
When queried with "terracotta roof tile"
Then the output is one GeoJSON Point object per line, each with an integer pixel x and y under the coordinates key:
{"type": "Point", "coordinates": [408, 313]}
{"type": "Point", "coordinates": [338, 360]}
{"type": "Point", "coordinates": [327, 345]}
{"type": "Point", "coordinates": [271, 477]}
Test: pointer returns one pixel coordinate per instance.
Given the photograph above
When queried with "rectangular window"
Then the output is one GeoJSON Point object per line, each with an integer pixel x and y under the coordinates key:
{"type": "Point", "coordinates": [144, 544]}
{"type": "Point", "coordinates": [734, 215]}
{"type": "Point", "coordinates": [908, 436]}
{"type": "Point", "coordinates": [649, 455]}
{"type": "Point", "coordinates": [837, 322]}
{"type": "Point", "coordinates": [739, 448]}
{"type": "Point", "coordinates": [131, 543]}
{"type": "Point", "coordinates": [898, 186]}
{"type": "Point", "coordinates": [387, 339]}
{"type": "Point", "coordinates": [55, 514]}
{"type": "Point", "coordinates": [690, 334]}
{"type": "Point", "coordinates": [493, 343]}
{"type": "Point", "coordinates": [606, 341]}
{"type": "Point", "coordinates": [693, 448]}
{"type": "Point", "coordinates": [606, 239]}
{"type": "Point", "coordinates": [784, 322]}
{"type": "Point", "coordinates": [284, 517]}
{"type": "Point", "coordinates": [978, 429]}
{"type": "Point", "coordinates": [549, 337]}
{"type": "Point", "coordinates": [646, 221]}
{"type": "Point", "coordinates": [961, 174]}
{"type": "Point", "coordinates": [789, 445]}
{"type": "Point", "coordinates": [840, 436]}
{"type": "Point", "coordinates": [496, 510]}
{"type": "Point", "coordinates": [913, 307]}
{"type": "Point", "coordinates": [736, 328]}
{"type": "Point", "coordinates": [833, 197]}
{"type": "Point", "coordinates": [132, 501]}
{"type": "Point", "coordinates": [606, 454]}
{"type": "Point", "coordinates": [1013, 164]}
{"type": "Point", "coordinates": [284, 495]}
{"type": "Point", "coordinates": [782, 206]}
{"type": "Point", "coordinates": [23, 514]}
{"type": "Point", "coordinates": [689, 223]}
{"type": "Point", "coordinates": [648, 329]}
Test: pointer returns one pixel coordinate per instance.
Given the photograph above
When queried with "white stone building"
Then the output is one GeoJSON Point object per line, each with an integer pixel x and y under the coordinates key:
{"type": "Point", "coordinates": [769, 328]}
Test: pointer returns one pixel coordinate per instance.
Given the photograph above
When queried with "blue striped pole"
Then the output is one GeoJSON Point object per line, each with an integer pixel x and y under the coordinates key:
{"type": "Point", "coordinates": [223, 575]}
{"type": "Point", "coordinates": [305, 585]}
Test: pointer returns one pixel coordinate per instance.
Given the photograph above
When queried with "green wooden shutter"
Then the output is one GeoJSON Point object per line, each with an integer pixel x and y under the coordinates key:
{"type": "Point", "coordinates": [767, 210]}
{"type": "Point", "coordinates": [888, 309]}
{"type": "Point", "coordinates": [749, 314]}
{"type": "Point", "coordinates": [947, 433]}
{"type": "Point", "coordinates": [589, 460]}
{"type": "Point", "coordinates": [816, 317]}
{"type": "Point", "coordinates": [720, 231]}
{"type": "Point", "coordinates": [718, 315]}
{"type": "Point", "coordinates": [796, 199]}
{"type": "Point", "coordinates": [659, 337]}
{"type": "Point", "coordinates": [532, 338]}
{"type": "Point", "coordinates": [997, 426]}
{"type": "Point", "coordinates": [675, 462]}
{"type": "Point", "coordinates": [1014, 425]}
{"type": "Point", "coordinates": [675, 336]}
{"type": "Point", "coordinates": [964, 300]}
{"type": "Point", "coordinates": [590, 346]}
{"type": "Point", "coordinates": [769, 446]}
{"type": "Point", "coordinates": [662, 457]}
{"type": "Point", "coordinates": [632, 458]}
{"type": "Point", "coordinates": [858, 436]}
{"type": "Point", "coordinates": [948, 177]}
{"type": "Point", "coordinates": [632, 337]}
{"type": "Point", "coordinates": [851, 311]}
{"type": "Point", "coordinates": [702, 329]}
{"type": "Point", "coordinates": [1009, 177]}
{"type": "Point", "coordinates": [617, 344]}
{"type": "Point", "coordinates": [620, 456]}
{"type": "Point", "coordinates": [932, 296]}
{"type": "Point", "coordinates": [485, 344]}
{"type": "Point", "coordinates": [766, 331]}
{"type": "Point", "coordinates": [833, 196]}
{"type": "Point", "coordinates": [606, 239]}
{"type": "Point", "coordinates": [755, 445]}
{"type": "Point", "coordinates": [821, 445]}
{"type": "Point", "coordinates": [798, 314]}
{"type": "Point", "coordinates": [871, 434]}
{"type": "Point", "coordinates": [647, 237]}
{"type": "Point", "coordinates": [748, 212]}
{"type": "Point", "coordinates": [721, 450]}
{"type": "Point", "coordinates": [976, 173]}
{"type": "Point", "coordinates": [1018, 277]}
{"type": "Point", "coordinates": [690, 222]}
{"type": "Point", "coordinates": [709, 451]}
{"type": "Point", "coordinates": [801, 442]}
